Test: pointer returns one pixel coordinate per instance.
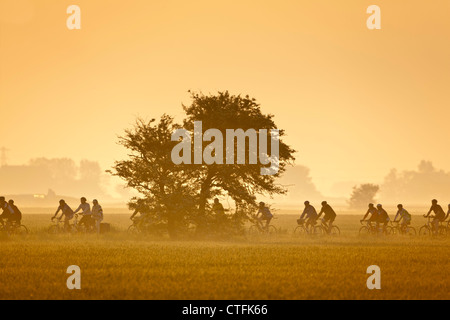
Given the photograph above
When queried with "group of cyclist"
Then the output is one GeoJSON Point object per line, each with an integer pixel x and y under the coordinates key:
{"type": "Point", "coordinates": [90, 218]}
{"type": "Point", "coordinates": [10, 215]}
{"type": "Point", "coordinates": [309, 215]}
{"type": "Point", "coordinates": [376, 215]}
{"type": "Point", "coordinates": [380, 217]}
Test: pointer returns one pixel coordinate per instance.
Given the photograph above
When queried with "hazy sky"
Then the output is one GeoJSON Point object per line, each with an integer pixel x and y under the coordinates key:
{"type": "Point", "coordinates": [354, 102]}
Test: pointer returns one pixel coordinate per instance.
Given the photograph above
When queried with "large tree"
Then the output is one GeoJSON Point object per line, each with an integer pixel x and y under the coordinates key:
{"type": "Point", "coordinates": [176, 189]}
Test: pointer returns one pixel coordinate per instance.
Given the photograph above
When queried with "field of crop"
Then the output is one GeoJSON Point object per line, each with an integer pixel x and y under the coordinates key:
{"type": "Point", "coordinates": [121, 266]}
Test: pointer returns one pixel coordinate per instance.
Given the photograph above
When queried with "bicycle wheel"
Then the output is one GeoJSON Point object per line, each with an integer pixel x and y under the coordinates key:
{"type": "Point", "coordinates": [254, 230]}
{"type": "Point", "coordinates": [81, 229]}
{"type": "Point", "coordinates": [442, 231]}
{"type": "Point", "coordinates": [73, 228]}
{"type": "Point", "coordinates": [335, 231]}
{"type": "Point", "coordinates": [317, 231]}
{"type": "Point", "coordinates": [21, 230]}
{"type": "Point", "coordinates": [133, 229]}
{"type": "Point", "coordinates": [425, 231]}
{"type": "Point", "coordinates": [53, 229]}
{"type": "Point", "coordinates": [388, 231]}
{"type": "Point", "coordinates": [300, 231]}
{"type": "Point", "coordinates": [364, 230]}
{"type": "Point", "coordinates": [272, 230]}
{"type": "Point", "coordinates": [395, 231]}
{"type": "Point", "coordinates": [410, 231]}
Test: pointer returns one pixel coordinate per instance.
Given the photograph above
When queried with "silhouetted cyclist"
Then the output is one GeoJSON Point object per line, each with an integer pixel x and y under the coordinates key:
{"type": "Point", "coordinates": [404, 215]}
{"type": "Point", "coordinates": [86, 218]}
{"type": "Point", "coordinates": [97, 214]}
{"type": "Point", "coordinates": [7, 211]}
{"type": "Point", "coordinates": [66, 212]}
{"type": "Point", "coordinates": [217, 207]}
{"type": "Point", "coordinates": [383, 217]}
{"type": "Point", "coordinates": [329, 215]}
{"type": "Point", "coordinates": [265, 215]}
{"type": "Point", "coordinates": [448, 213]}
{"type": "Point", "coordinates": [16, 216]}
{"type": "Point", "coordinates": [373, 214]}
{"type": "Point", "coordinates": [218, 210]}
{"type": "Point", "coordinates": [439, 214]}
{"type": "Point", "coordinates": [309, 214]}
{"type": "Point", "coordinates": [143, 211]}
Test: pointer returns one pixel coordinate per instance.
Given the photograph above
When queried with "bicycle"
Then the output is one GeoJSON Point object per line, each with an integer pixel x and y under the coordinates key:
{"type": "Point", "coordinates": [257, 228]}
{"type": "Point", "coordinates": [138, 226]}
{"type": "Point", "coordinates": [428, 229]}
{"type": "Point", "coordinates": [304, 229]}
{"type": "Point", "coordinates": [59, 227]}
{"type": "Point", "coordinates": [402, 229]}
{"type": "Point", "coordinates": [14, 228]}
{"type": "Point", "coordinates": [372, 228]}
{"type": "Point", "coordinates": [447, 227]}
{"type": "Point", "coordinates": [325, 229]}
{"type": "Point", "coordinates": [86, 227]}
{"type": "Point", "coordinates": [142, 226]}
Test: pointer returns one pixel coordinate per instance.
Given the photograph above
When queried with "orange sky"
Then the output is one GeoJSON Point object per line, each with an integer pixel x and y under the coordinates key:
{"type": "Point", "coordinates": [354, 102]}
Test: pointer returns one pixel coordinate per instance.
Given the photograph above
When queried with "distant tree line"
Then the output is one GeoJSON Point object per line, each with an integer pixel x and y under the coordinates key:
{"type": "Point", "coordinates": [62, 175]}
{"type": "Point", "coordinates": [409, 186]}
{"type": "Point", "coordinates": [415, 186]}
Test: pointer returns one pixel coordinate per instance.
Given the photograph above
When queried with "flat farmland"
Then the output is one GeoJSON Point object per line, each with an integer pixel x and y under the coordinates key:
{"type": "Point", "coordinates": [118, 265]}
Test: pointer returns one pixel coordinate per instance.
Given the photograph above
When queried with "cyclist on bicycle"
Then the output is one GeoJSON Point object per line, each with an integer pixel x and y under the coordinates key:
{"type": "Point", "coordinates": [66, 212]}
{"type": "Point", "coordinates": [329, 215]}
{"type": "Point", "coordinates": [219, 211]}
{"type": "Point", "coordinates": [97, 214]}
{"type": "Point", "coordinates": [439, 214]}
{"type": "Point", "coordinates": [265, 215]}
{"type": "Point", "coordinates": [85, 212]}
{"type": "Point", "coordinates": [7, 211]}
{"type": "Point", "coordinates": [373, 212]}
{"type": "Point", "coordinates": [309, 214]}
{"type": "Point", "coordinates": [144, 219]}
{"type": "Point", "coordinates": [404, 215]}
{"type": "Point", "coordinates": [16, 217]}
{"type": "Point", "coordinates": [383, 217]}
{"type": "Point", "coordinates": [217, 207]}
{"type": "Point", "coordinates": [448, 213]}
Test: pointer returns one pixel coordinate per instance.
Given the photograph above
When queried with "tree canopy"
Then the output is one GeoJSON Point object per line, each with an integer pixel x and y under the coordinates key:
{"type": "Point", "coordinates": [363, 195]}
{"type": "Point", "coordinates": [180, 192]}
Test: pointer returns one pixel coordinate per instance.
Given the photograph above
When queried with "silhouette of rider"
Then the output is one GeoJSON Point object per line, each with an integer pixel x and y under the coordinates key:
{"type": "Point", "coordinates": [7, 211]}
{"type": "Point", "coordinates": [309, 214]}
{"type": "Point", "coordinates": [329, 215]}
{"type": "Point", "coordinates": [66, 212]}
{"type": "Point", "coordinates": [86, 218]}
{"type": "Point", "coordinates": [373, 212]}
{"type": "Point", "coordinates": [439, 214]}
{"type": "Point", "coordinates": [16, 216]}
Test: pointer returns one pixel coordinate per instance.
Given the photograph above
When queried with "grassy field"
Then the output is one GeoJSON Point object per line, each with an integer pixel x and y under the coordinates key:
{"type": "Point", "coordinates": [120, 266]}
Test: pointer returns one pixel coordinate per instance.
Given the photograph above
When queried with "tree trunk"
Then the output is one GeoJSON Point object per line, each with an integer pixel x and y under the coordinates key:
{"type": "Point", "coordinates": [171, 225]}
{"type": "Point", "coordinates": [204, 194]}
